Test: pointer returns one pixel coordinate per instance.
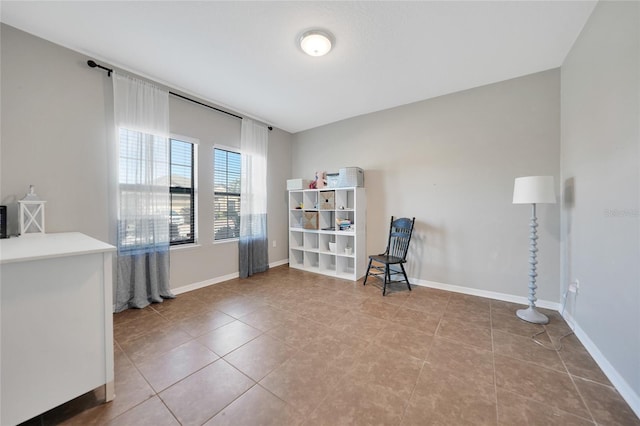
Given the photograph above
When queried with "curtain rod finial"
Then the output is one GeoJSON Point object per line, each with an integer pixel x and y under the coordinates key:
{"type": "Point", "coordinates": [93, 64]}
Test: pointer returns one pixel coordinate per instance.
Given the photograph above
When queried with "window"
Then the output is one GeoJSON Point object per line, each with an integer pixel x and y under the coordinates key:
{"type": "Point", "coordinates": [181, 190]}
{"type": "Point", "coordinates": [226, 197]}
{"type": "Point", "coordinates": [143, 209]}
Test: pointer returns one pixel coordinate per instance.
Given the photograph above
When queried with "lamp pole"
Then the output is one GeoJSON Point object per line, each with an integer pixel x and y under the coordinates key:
{"type": "Point", "coordinates": [531, 314]}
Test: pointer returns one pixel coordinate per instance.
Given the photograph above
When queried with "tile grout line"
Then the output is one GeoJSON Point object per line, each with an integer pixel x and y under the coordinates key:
{"type": "Point", "coordinates": [493, 360]}
{"type": "Point", "coordinates": [280, 399]}
{"type": "Point", "coordinates": [155, 394]}
{"type": "Point", "coordinates": [234, 400]}
{"type": "Point", "coordinates": [578, 391]}
{"type": "Point", "coordinates": [200, 369]}
{"type": "Point", "coordinates": [347, 374]}
{"type": "Point", "coordinates": [415, 385]}
{"type": "Point", "coordinates": [592, 419]}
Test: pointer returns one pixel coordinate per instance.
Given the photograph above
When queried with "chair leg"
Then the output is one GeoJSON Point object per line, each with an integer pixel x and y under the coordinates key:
{"type": "Point", "coordinates": [405, 276]}
{"type": "Point", "coordinates": [387, 277]}
{"type": "Point", "coordinates": [367, 274]}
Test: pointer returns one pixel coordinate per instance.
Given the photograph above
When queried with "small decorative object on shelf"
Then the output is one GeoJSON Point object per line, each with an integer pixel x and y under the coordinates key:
{"type": "Point", "coordinates": [31, 213]}
{"type": "Point", "coordinates": [319, 182]}
{"type": "Point", "coordinates": [343, 224]}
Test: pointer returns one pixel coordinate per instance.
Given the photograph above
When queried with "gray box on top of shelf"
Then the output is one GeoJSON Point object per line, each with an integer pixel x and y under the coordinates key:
{"type": "Point", "coordinates": [326, 249]}
{"type": "Point", "coordinates": [293, 184]}
{"type": "Point", "coordinates": [351, 176]}
{"type": "Point", "coordinates": [332, 180]}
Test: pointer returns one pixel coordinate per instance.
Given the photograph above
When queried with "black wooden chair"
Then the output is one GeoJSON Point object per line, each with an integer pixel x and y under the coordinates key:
{"type": "Point", "coordinates": [400, 232]}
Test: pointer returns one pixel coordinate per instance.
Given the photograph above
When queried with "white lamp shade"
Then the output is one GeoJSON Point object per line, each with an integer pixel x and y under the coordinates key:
{"type": "Point", "coordinates": [316, 43]}
{"type": "Point", "coordinates": [534, 190]}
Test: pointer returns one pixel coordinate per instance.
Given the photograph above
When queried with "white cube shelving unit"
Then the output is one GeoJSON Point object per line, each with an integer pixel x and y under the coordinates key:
{"type": "Point", "coordinates": [313, 215]}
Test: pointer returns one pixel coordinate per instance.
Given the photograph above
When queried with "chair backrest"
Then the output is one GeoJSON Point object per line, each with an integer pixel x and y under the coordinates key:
{"type": "Point", "coordinates": [400, 232]}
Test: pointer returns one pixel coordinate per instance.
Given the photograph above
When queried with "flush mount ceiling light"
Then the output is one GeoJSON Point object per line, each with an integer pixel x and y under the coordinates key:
{"type": "Point", "coordinates": [316, 42]}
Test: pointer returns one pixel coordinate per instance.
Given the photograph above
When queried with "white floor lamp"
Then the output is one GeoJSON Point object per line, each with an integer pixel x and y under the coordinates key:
{"type": "Point", "coordinates": [533, 190]}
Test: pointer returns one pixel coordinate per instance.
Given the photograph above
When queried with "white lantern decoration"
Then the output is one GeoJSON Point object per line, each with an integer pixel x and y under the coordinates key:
{"type": "Point", "coordinates": [31, 213]}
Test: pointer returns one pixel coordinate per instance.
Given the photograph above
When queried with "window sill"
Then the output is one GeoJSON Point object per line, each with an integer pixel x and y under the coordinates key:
{"type": "Point", "coordinates": [180, 247]}
{"type": "Point", "coordinates": [225, 241]}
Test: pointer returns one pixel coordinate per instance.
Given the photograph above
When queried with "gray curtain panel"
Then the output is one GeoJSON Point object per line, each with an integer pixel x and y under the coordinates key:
{"type": "Point", "coordinates": [147, 275]}
{"type": "Point", "coordinates": [254, 250]}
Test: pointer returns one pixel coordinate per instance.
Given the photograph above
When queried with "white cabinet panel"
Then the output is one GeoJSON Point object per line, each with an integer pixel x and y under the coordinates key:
{"type": "Point", "coordinates": [57, 323]}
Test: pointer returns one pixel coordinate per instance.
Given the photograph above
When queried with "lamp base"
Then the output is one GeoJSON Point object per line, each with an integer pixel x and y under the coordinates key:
{"type": "Point", "coordinates": [532, 315]}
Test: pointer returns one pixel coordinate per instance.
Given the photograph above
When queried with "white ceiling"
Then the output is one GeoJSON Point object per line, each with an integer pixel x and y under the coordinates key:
{"type": "Point", "coordinates": [244, 55]}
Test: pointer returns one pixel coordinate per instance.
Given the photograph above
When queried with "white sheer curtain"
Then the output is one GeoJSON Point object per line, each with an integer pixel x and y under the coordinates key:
{"type": "Point", "coordinates": [253, 245]}
{"type": "Point", "coordinates": [141, 112]}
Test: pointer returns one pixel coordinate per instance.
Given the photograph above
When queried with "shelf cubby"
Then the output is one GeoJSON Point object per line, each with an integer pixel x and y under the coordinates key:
{"type": "Point", "coordinates": [296, 199]}
{"type": "Point", "coordinates": [296, 258]}
{"type": "Point", "coordinates": [296, 239]}
{"type": "Point", "coordinates": [327, 264]}
{"type": "Point", "coordinates": [311, 261]}
{"type": "Point", "coordinates": [311, 242]}
{"type": "Point", "coordinates": [310, 200]}
{"type": "Point", "coordinates": [345, 266]}
{"type": "Point", "coordinates": [296, 219]}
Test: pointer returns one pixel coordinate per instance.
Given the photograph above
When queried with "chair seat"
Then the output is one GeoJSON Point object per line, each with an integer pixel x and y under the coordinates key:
{"type": "Point", "coordinates": [386, 259]}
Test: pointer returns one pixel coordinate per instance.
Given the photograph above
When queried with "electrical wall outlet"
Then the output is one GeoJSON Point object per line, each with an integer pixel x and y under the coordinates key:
{"type": "Point", "coordinates": [273, 243]}
{"type": "Point", "coordinates": [574, 286]}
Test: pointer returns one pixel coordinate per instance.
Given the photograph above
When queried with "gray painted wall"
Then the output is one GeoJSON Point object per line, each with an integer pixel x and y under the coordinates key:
{"type": "Point", "coordinates": [53, 134]}
{"type": "Point", "coordinates": [55, 129]}
{"type": "Point", "coordinates": [451, 162]}
{"type": "Point", "coordinates": [601, 183]}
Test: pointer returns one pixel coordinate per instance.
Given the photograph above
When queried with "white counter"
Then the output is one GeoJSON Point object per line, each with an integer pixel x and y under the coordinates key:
{"type": "Point", "coordinates": [43, 246]}
{"type": "Point", "coordinates": [57, 323]}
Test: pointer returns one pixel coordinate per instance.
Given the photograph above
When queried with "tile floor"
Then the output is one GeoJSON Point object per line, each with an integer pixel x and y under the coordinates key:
{"type": "Point", "coordinates": [288, 347]}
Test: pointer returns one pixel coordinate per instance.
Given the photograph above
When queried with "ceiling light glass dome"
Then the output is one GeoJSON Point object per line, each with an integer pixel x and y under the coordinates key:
{"type": "Point", "coordinates": [316, 42]}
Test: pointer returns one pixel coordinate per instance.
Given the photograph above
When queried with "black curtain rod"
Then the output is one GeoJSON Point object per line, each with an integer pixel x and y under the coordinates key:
{"type": "Point", "coordinates": [93, 64]}
{"type": "Point", "coordinates": [205, 105]}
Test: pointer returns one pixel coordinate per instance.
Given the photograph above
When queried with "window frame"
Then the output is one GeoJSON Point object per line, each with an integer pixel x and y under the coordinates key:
{"type": "Point", "coordinates": [183, 190]}
{"type": "Point", "coordinates": [234, 150]}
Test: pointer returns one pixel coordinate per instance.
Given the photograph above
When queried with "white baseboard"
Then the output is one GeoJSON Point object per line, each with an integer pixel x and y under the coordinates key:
{"type": "Point", "coordinates": [621, 385]}
{"type": "Point", "coordinates": [485, 293]}
{"type": "Point", "coordinates": [216, 280]}
{"type": "Point", "coordinates": [206, 283]}
{"type": "Point", "coordinates": [278, 263]}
